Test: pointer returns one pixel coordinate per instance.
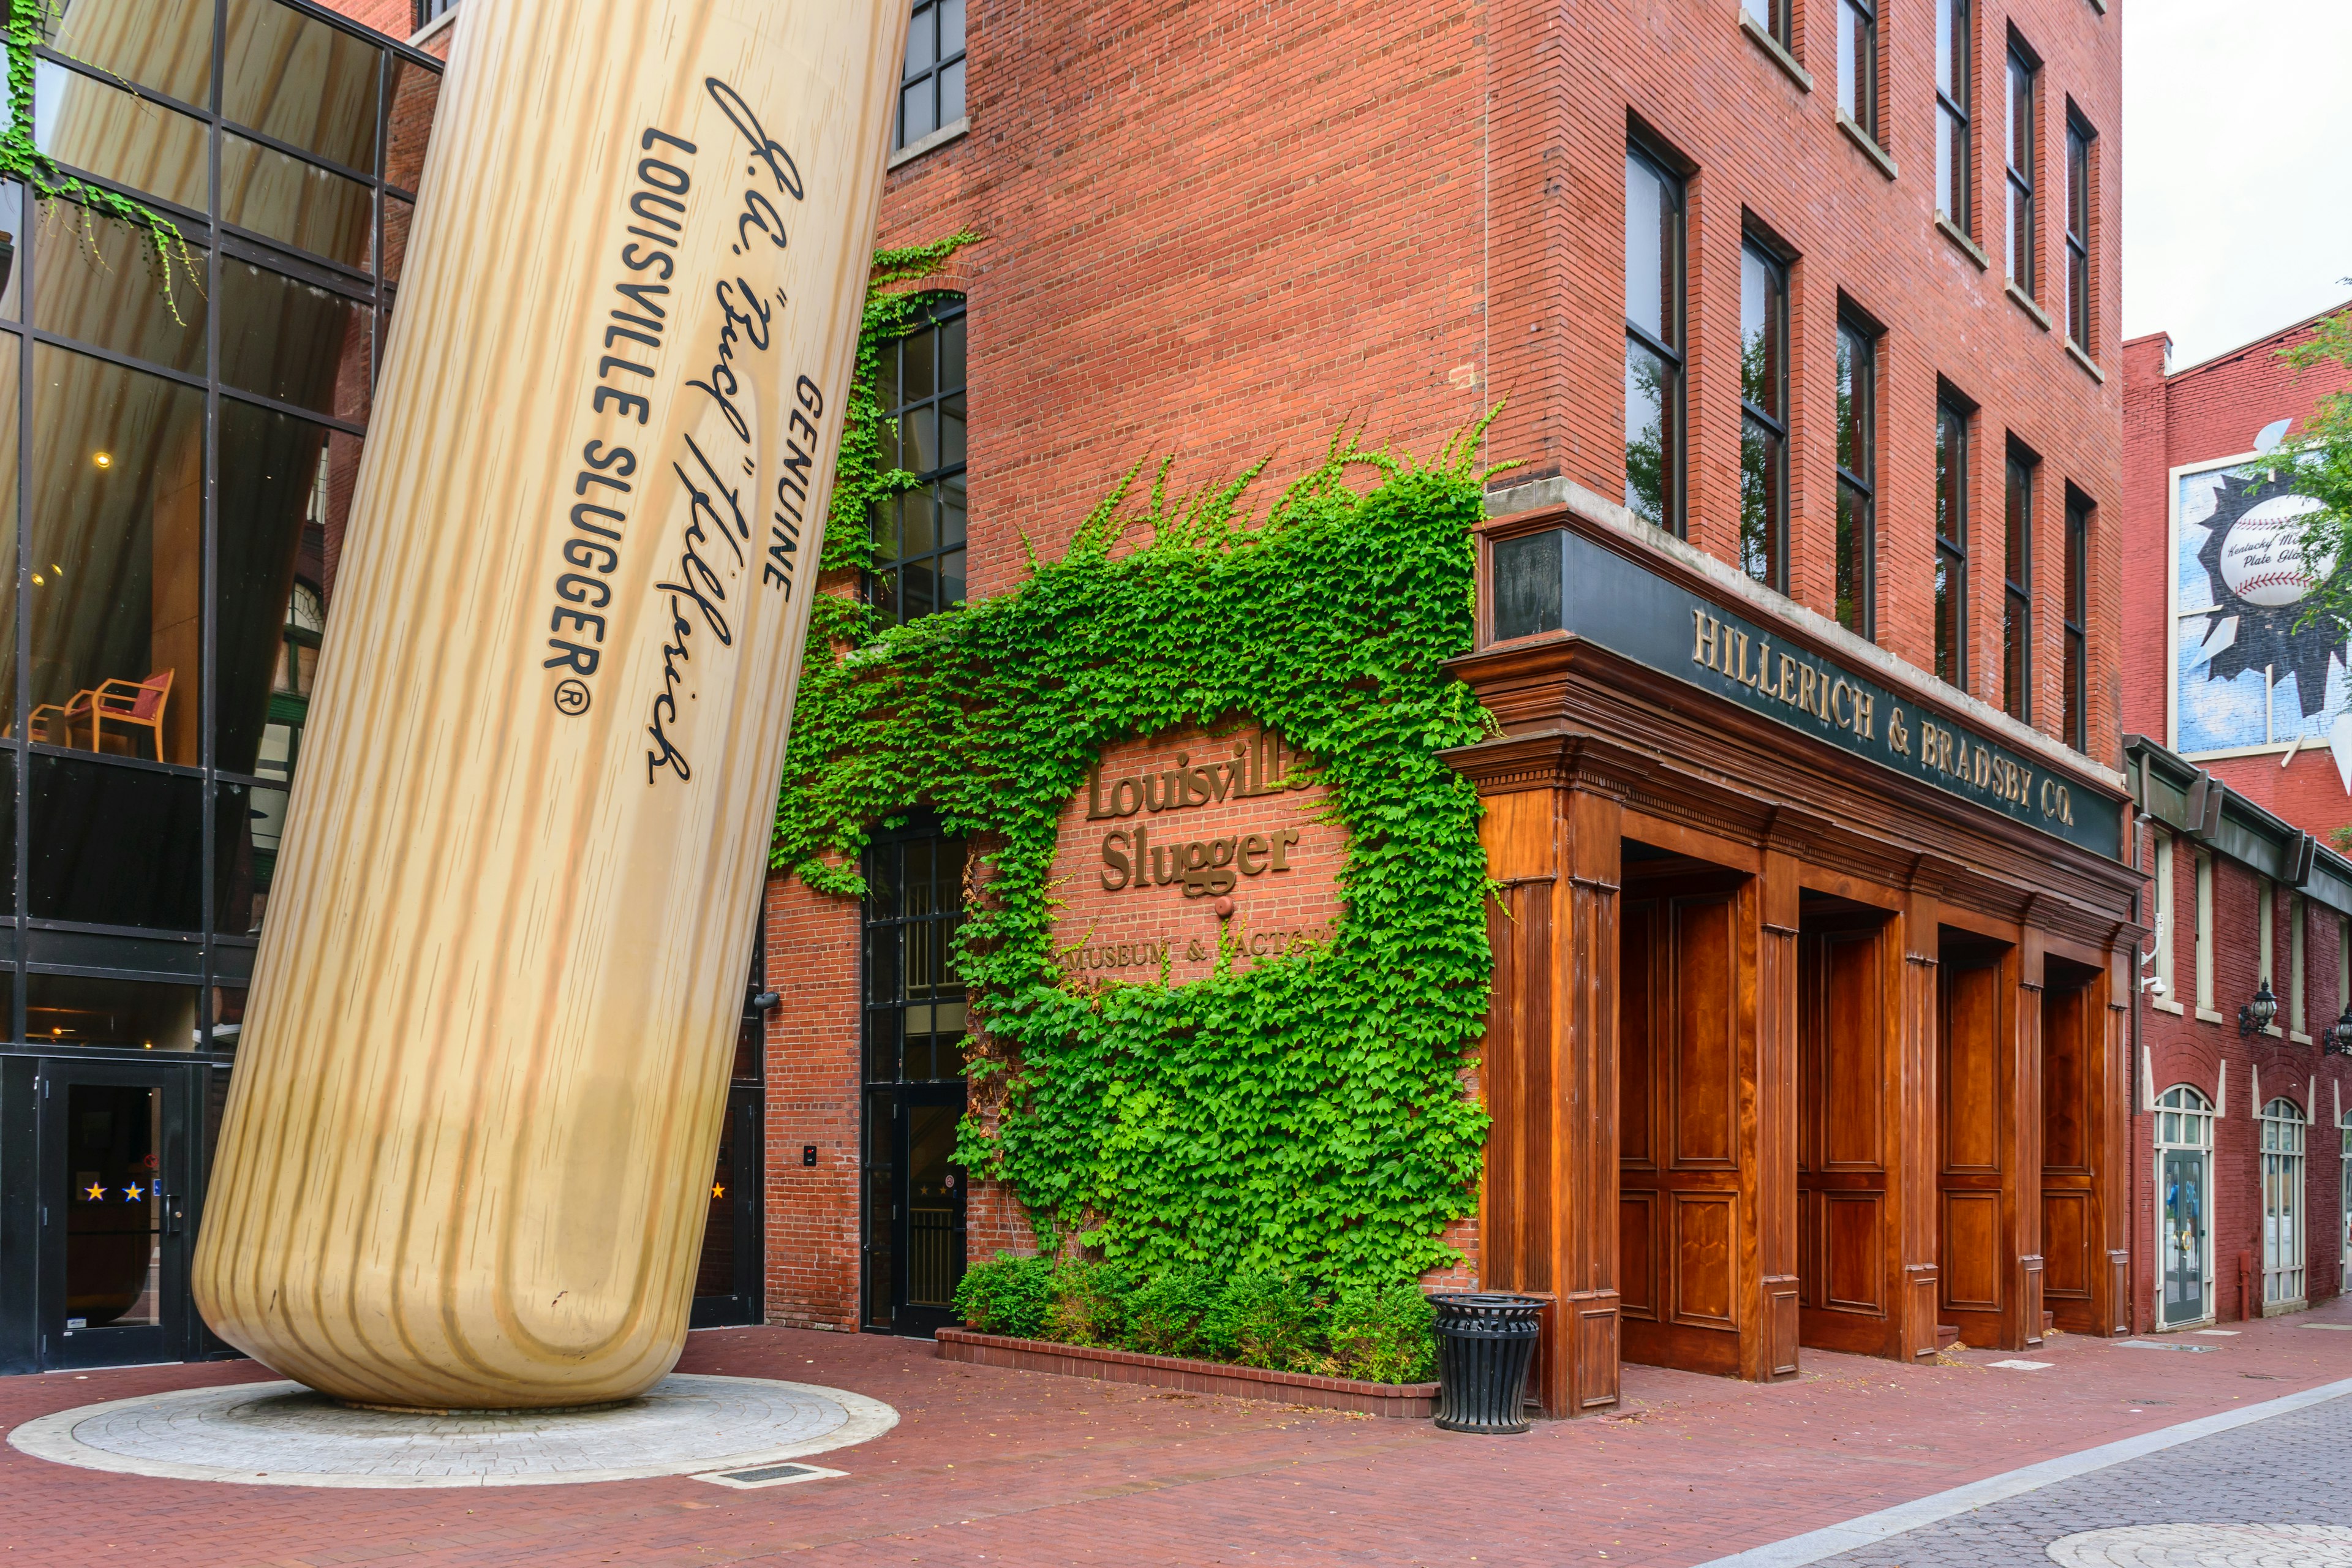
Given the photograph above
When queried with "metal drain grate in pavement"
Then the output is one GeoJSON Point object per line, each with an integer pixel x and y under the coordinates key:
{"type": "Point", "coordinates": [765, 1476]}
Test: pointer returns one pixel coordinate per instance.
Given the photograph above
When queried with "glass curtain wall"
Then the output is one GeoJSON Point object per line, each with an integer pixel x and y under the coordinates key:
{"type": "Point", "coordinates": [180, 443]}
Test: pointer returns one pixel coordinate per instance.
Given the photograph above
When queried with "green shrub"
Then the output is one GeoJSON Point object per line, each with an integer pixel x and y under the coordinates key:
{"type": "Point", "coordinates": [1385, 1334]}
{"type": "Point", "coordinates": [1089, 1303]}
{"type": "Point", "coordinates": [1264, 1318]}
{"type": "Point", "coordinates": [1009, 1295]}
{"type": "Point", "coordinates": [1168, 1313]}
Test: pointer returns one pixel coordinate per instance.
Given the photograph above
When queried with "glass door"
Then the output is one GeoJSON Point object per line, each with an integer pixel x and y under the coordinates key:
{"type": "Point", "coordinates": [727, 1283]}
{"type": "Point", "coordinates": [2183, 1255]}
{"type": "Point", "coordinates": [115, 1202]}
{"type": "Point", "coordinates": [914, 1209]}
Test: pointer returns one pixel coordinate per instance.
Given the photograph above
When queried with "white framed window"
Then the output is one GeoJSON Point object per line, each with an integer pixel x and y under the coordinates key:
{"type": "Point", "coordinates": [2184, 1185]}
{"type": "Point", "coordinates": [2297, 1025]}
{"type": "Point", "coordinates": [2344, 1253]}
{"type": "Point", "coordinates": [2167, 989]}
{"type": "Point", "coordinates": [2205, 937]}
{"type": "Point", "coordinates": [2283, 1154]}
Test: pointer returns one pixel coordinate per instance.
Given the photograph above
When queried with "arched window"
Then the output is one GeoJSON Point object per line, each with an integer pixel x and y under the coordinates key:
{"type": "Point", "coordinates": [919, 536]}
{"type": "Point", "coordinates": [2184, 1174]}
{"type": "Point", "coordinates": [2283, 1148]}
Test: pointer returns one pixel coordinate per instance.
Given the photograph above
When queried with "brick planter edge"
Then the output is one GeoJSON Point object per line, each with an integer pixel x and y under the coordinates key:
{"type": "Point", "coordinates": [1403, 1401]}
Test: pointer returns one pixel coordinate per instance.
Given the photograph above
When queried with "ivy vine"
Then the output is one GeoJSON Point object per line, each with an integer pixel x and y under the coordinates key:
{"type": "Point", "coordinates": [1305, 1113]}
{"type": "Point", "coordinates": [30, 25]}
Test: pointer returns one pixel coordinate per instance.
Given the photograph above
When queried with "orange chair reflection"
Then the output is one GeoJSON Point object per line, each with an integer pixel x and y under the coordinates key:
{"type": "Point", "coordinates": [125, 704]}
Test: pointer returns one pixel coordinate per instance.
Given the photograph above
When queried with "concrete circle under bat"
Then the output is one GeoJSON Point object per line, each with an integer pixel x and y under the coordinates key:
{"type": "Point", "coordinates": [284, 1434]}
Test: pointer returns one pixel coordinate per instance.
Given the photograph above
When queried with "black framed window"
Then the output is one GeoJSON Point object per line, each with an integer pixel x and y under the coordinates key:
{"type": "Point", "coordinates": [919, 537]}
{"type": "Point", "coordinates": [2078, 233]}
{"type": "Point", "coordinates": [1764, 415]}
{"type": "Point", "coordinates": [1951, 544]}
{"type": "Point", "coordinates": [2078, 617]}
{"type": "Point", "coordinates": [1654, 339]}
{"type": "Point", "coordinates": [1773, 17]}
{"type": "Point", "coordinates": [931, 92]}
{"type": "Point", "coordinates": [914, 1003]}
{"type": "Point", "coordinates": [2023, 81]}
{"type": "Point", "coordinates": [1857, 477]}
{"type": "Point", "coordinates": [428, 9]}
{"type": "Point", "coordinates": [2017, 589]}
{"type": "Point", "coordinates": [1858, 64]}
{"type": "Point", "coordinates": [1955, 59]}
{"type": "Point", "coordinates": [168, 541]}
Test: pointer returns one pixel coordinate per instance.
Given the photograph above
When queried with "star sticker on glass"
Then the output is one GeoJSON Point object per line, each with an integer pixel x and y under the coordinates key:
{"type": "Point", "coordinates": [130, 1195]}
{"type": "Point", "coordinates": [717, 1190]}
{"type": "Point", "coordinates": [94, 1192]}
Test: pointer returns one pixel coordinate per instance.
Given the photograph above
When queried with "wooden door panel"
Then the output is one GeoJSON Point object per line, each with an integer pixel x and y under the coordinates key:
{"type": "Point", "coordinates": [1706, 1259]}
{"type": "Point", "coordinates": [1636, 1055]}
{"type": "Point", "coordinates": [1637, 1253]}
{"type": "Point", "coordinates": [1853, 1057]}
{"type": "Point", "coordinates": [1705, 1048]}
{"type": "Point", "coordinates": [2067, 1091]}
{"type": "Point", "coordinates": [1972, 1061]}
{"type": "Point", "coordinates": [2067, 1238]}
{"type": "Point", "coordinates": [1854, 1245]}
{"type": "Point", "coordinates": [1971, 1259]}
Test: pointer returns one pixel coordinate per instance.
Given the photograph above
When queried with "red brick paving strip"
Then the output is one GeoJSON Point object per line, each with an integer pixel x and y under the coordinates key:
{"type": "Point", "coordinates": [1010, 1468]}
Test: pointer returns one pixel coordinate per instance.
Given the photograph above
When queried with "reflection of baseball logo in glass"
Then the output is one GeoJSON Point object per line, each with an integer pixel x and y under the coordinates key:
{"type": "Point", "coordinates": [2252, 558]}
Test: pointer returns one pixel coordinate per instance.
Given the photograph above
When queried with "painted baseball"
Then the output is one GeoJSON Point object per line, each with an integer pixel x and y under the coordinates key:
{"type": "Point", "coordinates": [2261, 560]}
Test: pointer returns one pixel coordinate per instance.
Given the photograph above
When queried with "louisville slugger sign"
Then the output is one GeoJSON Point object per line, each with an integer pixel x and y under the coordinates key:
{"type": "Point", "coordinates": [467, 1155]}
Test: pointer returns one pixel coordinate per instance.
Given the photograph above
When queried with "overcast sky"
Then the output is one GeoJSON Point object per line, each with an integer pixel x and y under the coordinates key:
{"type": "Point", "coordinates": [2237, 167]}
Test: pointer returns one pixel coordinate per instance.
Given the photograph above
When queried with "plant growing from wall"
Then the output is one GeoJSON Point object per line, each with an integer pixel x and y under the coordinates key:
{"type": "Point", "coordinates": [30, 22]}
{"type": "Point", "coordinates": [1303, 1114]}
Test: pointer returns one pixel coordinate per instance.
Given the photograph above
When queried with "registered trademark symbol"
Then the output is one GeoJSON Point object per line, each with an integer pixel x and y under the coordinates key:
{"type": "Point", "coordinates": [570, 698]}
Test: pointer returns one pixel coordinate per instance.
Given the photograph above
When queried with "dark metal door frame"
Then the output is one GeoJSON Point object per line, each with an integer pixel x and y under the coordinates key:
{"type": "Point", "coordinates": [900, 1315]}
{"type": "Point", "coordinates": [176, 1334]}
{"type": "Point", "coordinates": [743, 1305]}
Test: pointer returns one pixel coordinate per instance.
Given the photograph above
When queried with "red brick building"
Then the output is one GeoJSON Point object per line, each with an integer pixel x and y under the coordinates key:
{"type": "Point", "coordinates": [2243, 767]}
{"type": "Point", "coordinates": [1829, 348]}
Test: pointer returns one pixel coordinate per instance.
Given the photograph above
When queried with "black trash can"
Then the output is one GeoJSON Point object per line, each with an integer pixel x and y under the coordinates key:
{"type": "Point", "coordinates": [1484, 1345]}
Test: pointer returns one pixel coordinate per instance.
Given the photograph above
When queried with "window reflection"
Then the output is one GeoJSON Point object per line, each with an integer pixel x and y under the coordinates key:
{"type": "Point", "coordinates": [285, 494]}
{"type": "Point", "coordinates": [118, 552]}
{"type": "Point", "coordinates": [83, 1010]}
{"type": "Point", "coordinates": [398, 218]}
{"type": "Point", "coordinates": [294, 341]}
{"type": "Point", "coordinates": [302, 81]}
{"type": "Point", "coordinates": [115, 846]}
{"type": "Point", "coordinates": [228, 1020]}
{"type": "Point", "coordinates": [248, 821]}
{"type": "Point", "coordinates": [101, 281]}
{"type": "Point", "coordinates": [163, 45]}
{"type": "Point", "coordinates": [287, 199]}
{"type": "Point", "coordinates": [10, 347]}
{"type": "Point", "coordinates": [12, 237]}
{"type": "Point", "coordinates": [415, 95]}
{"type": "Point", "coordinates": [86, 124]}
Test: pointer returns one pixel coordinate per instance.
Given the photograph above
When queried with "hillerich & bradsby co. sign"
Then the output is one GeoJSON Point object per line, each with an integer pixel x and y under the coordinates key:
{"type": "Point", "coordinates": [1187, 836]}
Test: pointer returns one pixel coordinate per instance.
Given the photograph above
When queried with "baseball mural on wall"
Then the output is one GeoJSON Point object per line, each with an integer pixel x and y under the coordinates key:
{"type": "Point", "coordinates": [2248, 674]}
{"type": "Point", "coordinates": [466, 1156]}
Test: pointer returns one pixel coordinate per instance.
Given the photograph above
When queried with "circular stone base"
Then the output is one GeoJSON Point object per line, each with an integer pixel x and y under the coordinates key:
{"type": "Point", "coordinates": [2206, 1546]}
{"type": "Point", "coordinates": [283, 1434]}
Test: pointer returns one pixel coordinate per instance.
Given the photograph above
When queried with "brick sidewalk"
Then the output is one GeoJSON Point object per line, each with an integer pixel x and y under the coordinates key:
{"type": "Point", "coordinates": [1010, 1468]}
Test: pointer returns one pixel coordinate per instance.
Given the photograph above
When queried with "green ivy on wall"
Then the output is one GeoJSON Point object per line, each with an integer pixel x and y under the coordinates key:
{"type": "Point", "coordinates": [1305, 1113]}
{"type": "Point", "coordinates": [30, 22]}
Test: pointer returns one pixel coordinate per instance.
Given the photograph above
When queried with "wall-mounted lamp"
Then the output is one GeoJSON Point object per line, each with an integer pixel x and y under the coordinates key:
{"type": "Point", "coordinates": [765, 1000]}
{"type": "Point", "coordinates": [2256, 1015]}
{"type": "Point", "coordinates": [2336, 1040]}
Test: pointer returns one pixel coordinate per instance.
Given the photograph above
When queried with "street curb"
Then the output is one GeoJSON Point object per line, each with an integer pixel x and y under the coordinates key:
{"type": "Point", "coordinates": [1872, 1528]}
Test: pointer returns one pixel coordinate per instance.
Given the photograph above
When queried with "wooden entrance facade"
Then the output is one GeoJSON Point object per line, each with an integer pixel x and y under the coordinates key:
{"type": "Point", "coordinates": [1786, 1050]}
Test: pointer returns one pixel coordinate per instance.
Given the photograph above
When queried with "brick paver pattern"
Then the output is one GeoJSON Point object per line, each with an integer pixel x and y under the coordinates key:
{"type": "Point", "coordinates": [995, 1467]}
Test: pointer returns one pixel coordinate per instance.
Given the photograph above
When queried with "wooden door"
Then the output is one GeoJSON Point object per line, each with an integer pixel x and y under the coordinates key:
{"type": "Point", "coordinates": [2074, 1229]}
{"type": "Point", "coordinates": [1848, 1119]}
{"type": "Point", "coordinates": [1973, 1132]}
{"type": "Point", "coordinates": [1686, 1127]}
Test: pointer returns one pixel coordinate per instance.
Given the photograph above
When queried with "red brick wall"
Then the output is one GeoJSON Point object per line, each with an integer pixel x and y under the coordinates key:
{"type": "Point", "coordinates": [1222, 230]}
{"type": "Point", "coordinates": [2194, 416]}
{"type": "Point", "coordinates": [814, 1083]}
{"type": "Point", "coordinates": [2183, 1048]}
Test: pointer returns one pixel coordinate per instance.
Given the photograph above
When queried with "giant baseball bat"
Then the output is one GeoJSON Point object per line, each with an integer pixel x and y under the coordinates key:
{"type": "Point", "coordinates": [467, 1144]}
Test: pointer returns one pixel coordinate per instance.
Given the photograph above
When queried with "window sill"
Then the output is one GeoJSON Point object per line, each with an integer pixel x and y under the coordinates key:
{"type": "Point", "coordinates": [1860, 138]}
{"type": "Point", "coordinates": [940, 138]}
{"type": "Point", "coordinates": [2161, 1005]}
{"type": "Point", "coordinates": [2273, 1031]}
{"type": "Point", "coordinates": [2207, 1015]}
{"type": "Point", "coordinates": [441, 24]}
{"type": "Point", "coordinates": [2025, 303]}
{"type": "Point", "coordinates": [1772, 47]}
{"type": "Point", "coordinates": [2074, 352]}
{"type": "Point", "coordinates": [1969, 248]}
{"type": "Point", "coordinates": [2296, 1037]}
